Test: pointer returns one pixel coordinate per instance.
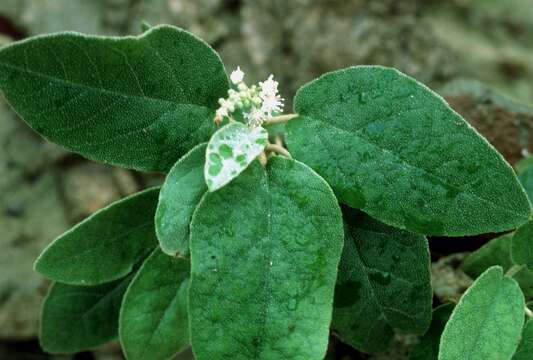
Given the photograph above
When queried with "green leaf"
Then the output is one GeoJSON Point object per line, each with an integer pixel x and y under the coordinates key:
{"type": "Point", "coordinates": [525, 348]}
{"type": "Point", "coordinates": [383, 284]}
{"type": "Point", "coordinates": [105, 246]}
{"type": "Point", "coordinates": [495, 252]}
{"type": "Point", "coordinates": [522, 245]}
{"type": "Point", "coordinates": [263, 269]}
{"type": "Point", "coordinates": [77, 318]}
{"type": "Point", "coordinates": [181, 192]}
{"type": "Point", "coordinates": [428, 347]}
{"type": "Point", "coordinates": [140, 102]}
{"type": "Point", "coordinates": [393, 148]}
{"type": "Point", "coordinates": [524, 169]}
{"type": "Point", "coordinates": [498, 252]}
{"type": "Point", "coordinates": [153, 318]}
{"type": "Point", "coordinates": [230, 151]}
{"type": "Point", "coordinates": [487, 322]}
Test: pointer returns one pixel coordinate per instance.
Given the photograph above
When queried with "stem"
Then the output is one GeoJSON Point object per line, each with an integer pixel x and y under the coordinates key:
{"type": "Point", "coordinates": [280, 119]}
{"type": "Point", "coordinates": [514, 269]}
{"type": "Point", "coordinates": [278, 149]}
{"type": "Point", "coordinates": [262, 158]}
{"type": "Point", "coordinates": [529, 313]}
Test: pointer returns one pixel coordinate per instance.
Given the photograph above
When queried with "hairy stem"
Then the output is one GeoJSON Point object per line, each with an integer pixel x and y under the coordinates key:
{"type": "Point", "coordinates": [513, 270]}
{"type": "Point", "coordinates": [280, 119]}
{"type": "Point", "coordinates": [278, 149]}
{"type": "Point", "coordinates": [529, 313]}
{"type": "Point", "coordinates": [262, 158]}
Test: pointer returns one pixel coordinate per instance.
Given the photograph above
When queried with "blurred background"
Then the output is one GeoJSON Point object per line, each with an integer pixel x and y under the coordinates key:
{"type": "Point", "coordinates": [476, 53]}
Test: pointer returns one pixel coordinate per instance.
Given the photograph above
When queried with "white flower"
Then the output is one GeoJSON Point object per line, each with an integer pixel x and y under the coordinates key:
{"type": "Point", "coordinates": [257, 103]}
{"type": "Point", "coordinates": [272, 104]}
{"type": "Point", "coordinates": [237, 76]}
{"type": "Point", "coordinates": [255, 116]}
{"type": "Point", "coordinates": [269, 87]}
{"type": "Point", "coordinates": [222, 112]}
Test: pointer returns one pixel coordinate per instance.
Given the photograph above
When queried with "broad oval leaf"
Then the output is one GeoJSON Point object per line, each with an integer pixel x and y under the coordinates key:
{"type": "Point", "coordinates": [181, 192]}
{"type": "Point", "coordinates": [384, 284]}
{"type": "Point", "coordinates": [263, 269]}
{"type": "Point", "coordinates": [498, 252]}
{"type": "Point", "coordinates": [153, 318]}
{"type": "Point", "coordinates": [428, 346]}
{"type": "Point", "coordinates": [77, 318]}
{"type": "Point", "coordinates": [229, 152]}
{"type": "Point", "coordinates": [390, 146]}
{"type": "Point", "coordinates": [140, 102]}
{"type": "Point", "coordinates": [525, 348]}
{"type": "Point", "coordinates": [487, 322]}
{"type": "Point", "coordinates": [105, 246]}
{"type": "Point", "coordinates": [522, 245]}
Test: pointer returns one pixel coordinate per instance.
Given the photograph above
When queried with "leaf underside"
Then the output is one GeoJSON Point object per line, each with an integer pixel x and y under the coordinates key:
{"type": "Point", "coordinates": [263, 270]}
{"type": "Point", "coordinates": [498, 252]}
{"type": "Point", "coordinates": [229, 152]}
{"type": "Point", "coordinates": [183, 188]}
{"type": "Point", "coordinates": [487, 322]}
{"type": "Point", "coordinates": [383, 284]}
{"type": "Point", "coordinates": [428, 346]}
{"type": "Point", "coordinates": [106, 246]}
{"type": "Point", "coordinates": [391, 147]}
{"type": "Point", "coordinates": [522, 245]}
{"type": "Point", "coordinates": [139, 102]}
{"type": "Point", "coordinates": [153, 319]}
{"type": "Point", "coordinates": [77, 318]}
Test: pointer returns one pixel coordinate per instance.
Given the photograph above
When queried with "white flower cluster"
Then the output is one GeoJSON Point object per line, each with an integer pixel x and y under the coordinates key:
{"type": "Point", "coordinates": [257, 103]}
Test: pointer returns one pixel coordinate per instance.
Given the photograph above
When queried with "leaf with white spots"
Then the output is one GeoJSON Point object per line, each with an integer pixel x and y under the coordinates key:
{"type": "Point", "coordinates": [230, 151]}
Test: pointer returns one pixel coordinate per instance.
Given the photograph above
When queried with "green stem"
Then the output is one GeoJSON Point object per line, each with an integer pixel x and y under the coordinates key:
{"type": "Point", "coordinates": [280, 119]}
{"type": "Point", "coordinates": [529, 313]}
{"type": "Point", "coordinates": [278, 149]}
{"type": "Point", "coordinates": [514, 269]}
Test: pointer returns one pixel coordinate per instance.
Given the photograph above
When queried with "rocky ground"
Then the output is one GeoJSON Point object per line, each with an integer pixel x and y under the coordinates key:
{"type": "Point", "coordinates": [44, 190]}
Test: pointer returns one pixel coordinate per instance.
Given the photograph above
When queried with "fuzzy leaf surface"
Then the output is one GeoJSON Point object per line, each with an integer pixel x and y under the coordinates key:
{"type": "Point", "coordinates": [140, 101]}
{"type": "Point", "coordinates": [428, 346]}
{"type": "Point", "coordinates": [487, 322]}
{"type": "Point", "coordinates": [181, 192]}
{"type": "Point", "coordinates": [498, 252]}
{"type": "Point", "coordinates": [263, 269]}
{"type": "Point", "coordinates": [106, 245]}
{"type": "Point", "coordinates": [231, 149]}
{"type": "Point", "coordinates": [525, 348]}
{"type": "Point", "coordinates": [522, 245]}
{"type": "Point", "coordinates": [383, 284]}
{"type": "Point", "coordinates": [390, 146]}
{"type": "Point", "coordinates": [153, 318]}
{"type": "Point", "coordinates": [77, 318]}
{"type": "Point", "coordinates": [524, 169]}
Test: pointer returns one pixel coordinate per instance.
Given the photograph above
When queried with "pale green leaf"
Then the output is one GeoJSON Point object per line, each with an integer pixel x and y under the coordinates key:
{"type": "Point", "coordinates": [487, 322]}
{"type": "Point", "coordinates": [181, 192]}
{"type": "Point", "coordinates": [263, 269]}
{"type": "Point", "coordinates": [105, 246]}
{"type": "Point", "coordinates": [428, 346]}
{"type": "Point", "coordinates": [77, 318]}
{"type": "Point", "coordinates": [153, 319]}
{"type": "Point", "coordinates": [525, 348]}
{"type": "Point", "coordinates": [230, 151]}
{"type": "Point", "coordinates": [498, 252]}
{"type": "Point", "coordinates": [383, 284]}
{"type": "Point", "coordinates": [390, 146]}
{"type": "Point", "coordinates": [522, 245]}
{"type": "Point", "coordinates": [140, 102]}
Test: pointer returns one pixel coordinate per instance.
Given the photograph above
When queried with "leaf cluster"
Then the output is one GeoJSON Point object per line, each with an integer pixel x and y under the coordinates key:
{"type": "Point", "coordinates": [250, 259]}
